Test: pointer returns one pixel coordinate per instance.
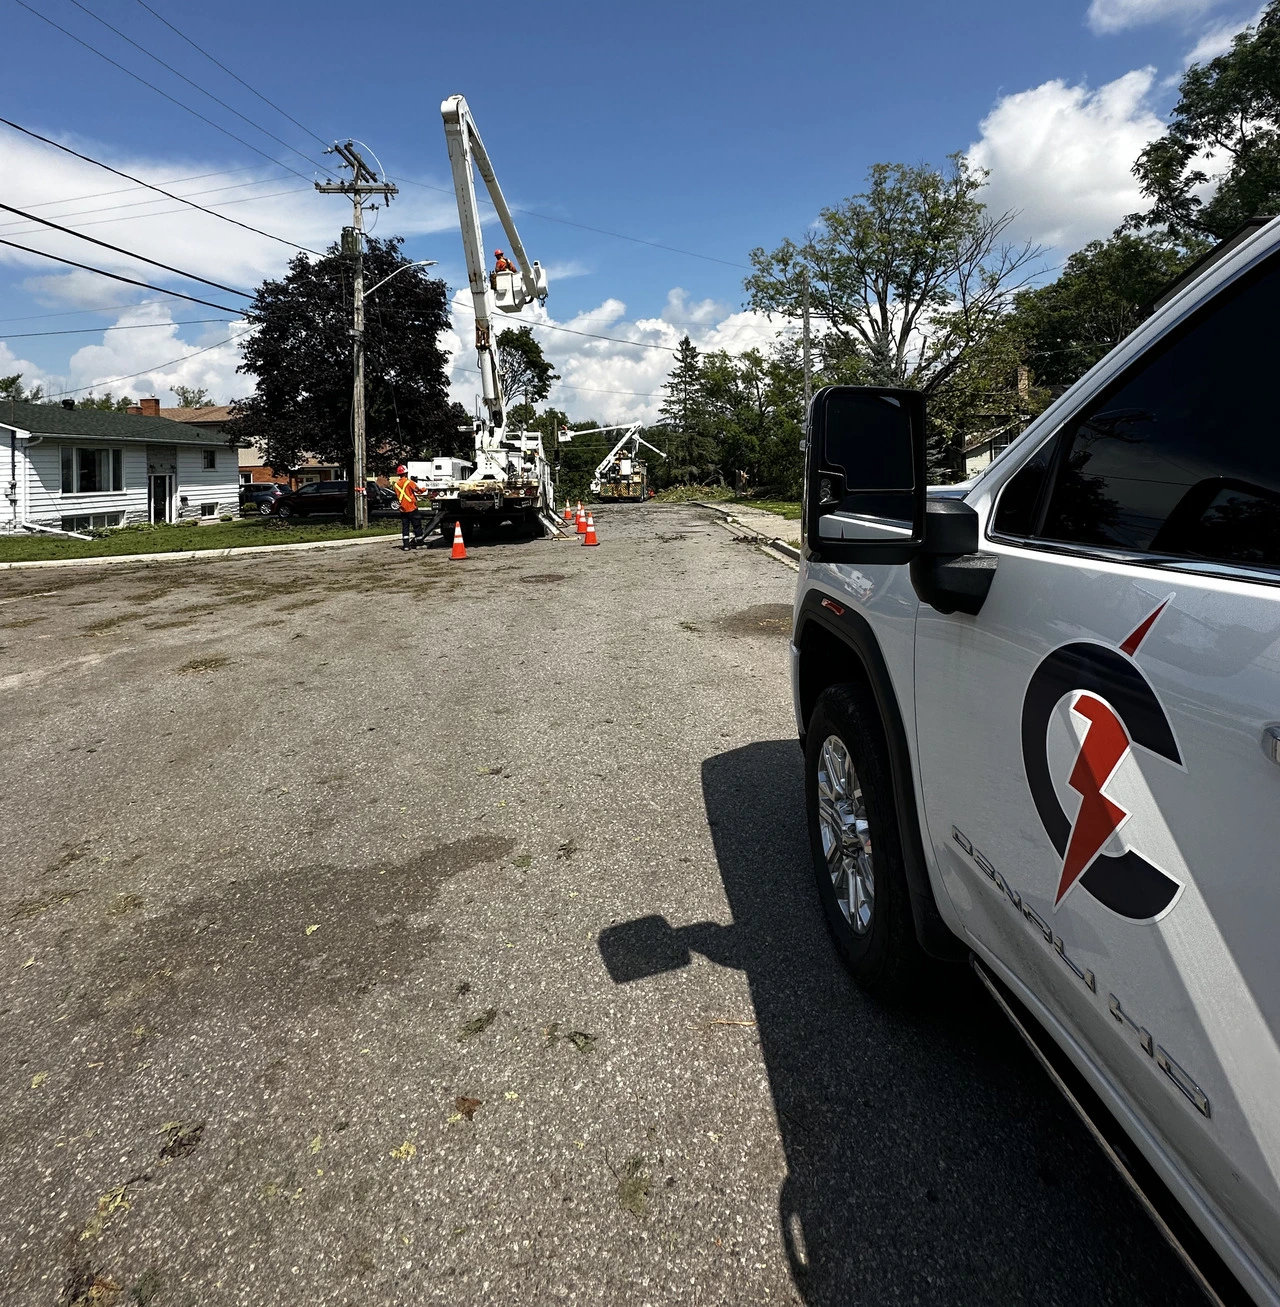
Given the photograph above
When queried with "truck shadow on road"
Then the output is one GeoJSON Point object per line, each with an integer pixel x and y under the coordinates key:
{"type": "Point", "coordinates": [928, 1159]}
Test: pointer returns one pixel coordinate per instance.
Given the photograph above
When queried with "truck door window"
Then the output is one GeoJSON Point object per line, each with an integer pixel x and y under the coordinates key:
{"type": "Point", "coordinates": [1180, 458]}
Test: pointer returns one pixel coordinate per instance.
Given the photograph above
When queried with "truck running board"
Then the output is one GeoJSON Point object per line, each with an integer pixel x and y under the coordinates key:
{"type": "Point", "coordinates": [1196, 1253]}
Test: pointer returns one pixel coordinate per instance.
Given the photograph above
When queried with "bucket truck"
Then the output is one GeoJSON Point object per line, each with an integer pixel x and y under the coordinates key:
{"type": "Point", "coordinates": [511, 480]}
{"type": "Point", "coordinates": [620, 475]}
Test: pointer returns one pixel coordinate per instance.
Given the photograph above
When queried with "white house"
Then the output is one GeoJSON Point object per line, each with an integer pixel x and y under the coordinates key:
{"type": "Point", "coordinates": [77, 468]}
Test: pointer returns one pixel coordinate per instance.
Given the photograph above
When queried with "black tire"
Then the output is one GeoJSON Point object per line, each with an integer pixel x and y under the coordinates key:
{"type": "Point", "coordinates": [883, 957]}
{"type": "Point", "coordinates": [264, 508]}
{"type": "Point", "coordinates": [284, 511]}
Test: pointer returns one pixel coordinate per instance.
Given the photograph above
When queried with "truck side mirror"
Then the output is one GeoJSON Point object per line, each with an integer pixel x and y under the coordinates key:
{"type": "Point", "coordinates": [865, 475]}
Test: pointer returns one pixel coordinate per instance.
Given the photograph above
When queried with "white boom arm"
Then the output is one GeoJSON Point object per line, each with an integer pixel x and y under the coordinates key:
{"type": "Point", "coordinates": [632, 433]}
{"type": "Point", "coordinates": [508, 292]}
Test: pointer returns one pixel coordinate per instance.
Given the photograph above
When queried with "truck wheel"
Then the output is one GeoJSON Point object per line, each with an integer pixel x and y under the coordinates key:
{"type": "Point", "coordinates": [853, 833]}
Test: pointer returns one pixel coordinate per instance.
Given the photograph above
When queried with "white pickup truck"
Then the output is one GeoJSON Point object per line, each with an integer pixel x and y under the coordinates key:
{"type": "Point", "coordinates": [1041, 720]}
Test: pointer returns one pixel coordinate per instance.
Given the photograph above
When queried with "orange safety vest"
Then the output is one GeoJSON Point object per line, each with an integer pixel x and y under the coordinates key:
{"type": "Point", "coordinates": [406, 493]}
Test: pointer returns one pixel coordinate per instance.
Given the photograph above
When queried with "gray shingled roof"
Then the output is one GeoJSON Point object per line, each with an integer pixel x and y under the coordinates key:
{"type": "Point", "coordinates": [54, 420]}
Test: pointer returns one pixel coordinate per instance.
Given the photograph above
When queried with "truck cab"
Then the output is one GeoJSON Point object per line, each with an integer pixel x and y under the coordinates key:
{"type": "Point", "coordinates": [1041, 720]}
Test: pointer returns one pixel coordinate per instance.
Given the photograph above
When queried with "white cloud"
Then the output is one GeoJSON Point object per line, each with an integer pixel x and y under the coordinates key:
{"type": "Point", "coordinates": [152, 338]}
{"type": "Point", "coordinates": [1062, 155]}
{"type": "Point", "coordinates": [1217, 39]}
{"type": "Point", "coordinates": [614, 380]}
{"type": "Point", "coordinates": [1106, 16]}
{"type": "Point", "coordinates": [683, 312]}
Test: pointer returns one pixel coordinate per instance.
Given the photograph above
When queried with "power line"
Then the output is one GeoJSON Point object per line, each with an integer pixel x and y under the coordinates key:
{"type": "Point", "coordinates": [598, 390]}
{"type": "Point", "coordinates": [160, 190]}
{"type": "Point", "coordinates": [73, 313]}
{"type": "Point", "coordinates": [115, 276]}
{"type": "Point", "coordinates": [17, 229]}
{"type": "Point", "coordinates": [129, 254]}
{"type": "Point", "coordinates": [112, 381]}
{"type": "Point", "coordinates": [549, 326]}
{"type": "Point", "coordinates": [229, 73]}
{"type": "Point", "coordinates": [581, 226]}
{"type": "Point", "coordinates": [127, 326]}
{"type": "Point", "coordinates": [173, 181]}
{"type": "Point", "coordinates": [196, 85]}
{"type": "Point", "coordinates": [165, 94]}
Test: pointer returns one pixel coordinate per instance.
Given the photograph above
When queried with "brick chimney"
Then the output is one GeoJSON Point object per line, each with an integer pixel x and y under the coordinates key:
{"type": "Point", "coordinates": [150, 407]}
{"type": "Point", "coordinates": [134, 411]}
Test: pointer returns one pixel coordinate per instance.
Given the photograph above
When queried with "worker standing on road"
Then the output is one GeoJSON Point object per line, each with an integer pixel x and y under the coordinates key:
{"type": "Point", "coordinates": [410, 514]}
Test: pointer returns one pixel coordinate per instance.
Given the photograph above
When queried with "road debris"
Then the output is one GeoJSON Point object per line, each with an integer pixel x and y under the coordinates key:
{"type": "Point", "coordinates": [633, 1186]}
{"type": "Point", "coordinates": [478, 1024]}
{"type": "Point", "coordinates": [467, 1106]}
{"type": "Point", "coordinates": [183, 1137]}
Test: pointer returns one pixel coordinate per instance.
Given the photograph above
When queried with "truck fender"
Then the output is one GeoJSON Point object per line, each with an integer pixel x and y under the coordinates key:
{"type": "Point", "coordinates": [867, 666]}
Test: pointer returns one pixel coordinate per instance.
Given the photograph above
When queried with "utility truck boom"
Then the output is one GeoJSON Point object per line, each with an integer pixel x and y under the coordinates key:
{"type": "Point", "coordinates": [621, 474]}
{"type": "Point", "coordinates": [512, 479]}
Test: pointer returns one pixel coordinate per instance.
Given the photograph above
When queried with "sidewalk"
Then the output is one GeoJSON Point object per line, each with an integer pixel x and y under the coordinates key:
{"type": "Point", "coordinates": [756, 521]}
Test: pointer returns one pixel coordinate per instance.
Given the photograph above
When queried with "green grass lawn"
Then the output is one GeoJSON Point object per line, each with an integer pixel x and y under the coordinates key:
{"type": "Point", "coordinates": [242, 533]}
{"type": "Point", "coordinates": [788, 508]}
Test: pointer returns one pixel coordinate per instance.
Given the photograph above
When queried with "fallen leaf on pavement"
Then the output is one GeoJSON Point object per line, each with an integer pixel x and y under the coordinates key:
{"type": "Point", "coordinates": [582, 1041]}
{"type": "Point", "coordinates": [183, 1138]}
{"type": "Point", "coordinates": [467, 1106]}
{"type": "Point", "coordinates": [405, 1151]}
{"type": "Point", "coordinates": [477, 1024]}
{"type": "Point", "coordinates": [311, 930]}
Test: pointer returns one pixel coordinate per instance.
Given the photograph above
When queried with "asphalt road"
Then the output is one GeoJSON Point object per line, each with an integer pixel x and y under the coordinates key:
{"type": "Point", "coordinates": [381, 929]}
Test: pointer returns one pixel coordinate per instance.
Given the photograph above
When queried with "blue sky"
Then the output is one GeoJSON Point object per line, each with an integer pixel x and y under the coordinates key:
{"type": "Point", "coordinates": [709, 128]}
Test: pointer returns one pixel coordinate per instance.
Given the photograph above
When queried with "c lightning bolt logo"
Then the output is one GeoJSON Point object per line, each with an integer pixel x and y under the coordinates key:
{"type": "Point", "coordinates": [1120, 709]}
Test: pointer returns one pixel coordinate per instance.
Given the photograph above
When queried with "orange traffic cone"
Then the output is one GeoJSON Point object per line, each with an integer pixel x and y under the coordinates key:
{"type": "Point", "coordinates": [590, 537]}
{"type": "Point", "coordinates": [581, 526]}
{"type": "Point", "coordinates": [568, 512]}
{"type": "Point", "coordinates": [459, 549]}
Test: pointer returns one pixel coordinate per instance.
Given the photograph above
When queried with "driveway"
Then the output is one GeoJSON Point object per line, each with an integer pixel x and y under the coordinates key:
{"type": "Point", "coordinates": [382, 929]}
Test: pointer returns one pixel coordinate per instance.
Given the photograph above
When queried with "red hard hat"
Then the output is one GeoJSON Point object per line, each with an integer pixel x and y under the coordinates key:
{"type": "Point", "coordinates": [497, 254]}
{"type": "Point", "coordinates": [401, 470]}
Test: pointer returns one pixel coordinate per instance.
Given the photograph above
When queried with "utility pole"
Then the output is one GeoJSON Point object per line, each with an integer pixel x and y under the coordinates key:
{"type": "Point", "coordinates": [364, 181]}
{"type": "Point", "coordinates": [808, 381]}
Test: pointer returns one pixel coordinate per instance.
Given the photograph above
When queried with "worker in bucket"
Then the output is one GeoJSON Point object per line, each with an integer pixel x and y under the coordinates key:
{"type": "Point", "coordinates": [503, 263]}
{"type": "Point", "coordinates": [410, 514]}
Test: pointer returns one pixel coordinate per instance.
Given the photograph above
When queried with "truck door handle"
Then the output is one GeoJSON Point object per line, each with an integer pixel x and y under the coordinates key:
{"type": "Point", "coordinates": [1271, 742]}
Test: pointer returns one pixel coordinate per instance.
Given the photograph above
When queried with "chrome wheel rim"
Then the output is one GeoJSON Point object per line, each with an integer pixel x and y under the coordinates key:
{"type": "Point", "coordinates": [846, 837]}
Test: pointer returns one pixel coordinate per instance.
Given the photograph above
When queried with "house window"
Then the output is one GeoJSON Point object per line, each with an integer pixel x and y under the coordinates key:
{"type": "Point", "coordinates": [208, 510]}
{"type": "Point", "coordinates": [89, 521]}
{"type": "Point", "coordinates": [210, 457]}
{"type": "Point", "coordinates": [91, 471]}
{"type": "Point", "coordinates": [246, 478]}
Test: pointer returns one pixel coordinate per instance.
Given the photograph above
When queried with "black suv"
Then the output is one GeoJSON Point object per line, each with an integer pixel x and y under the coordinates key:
{"type": "Point", "coordinates": [260, 497]}
{"type": "Point", "coordinates": [314, 497]}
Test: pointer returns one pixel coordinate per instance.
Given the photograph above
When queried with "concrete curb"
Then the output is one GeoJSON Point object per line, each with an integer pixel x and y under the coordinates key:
{"type": "Point", "coordinates": [776, 544]}
{"type": "Point", "coordinates": [189, 555]}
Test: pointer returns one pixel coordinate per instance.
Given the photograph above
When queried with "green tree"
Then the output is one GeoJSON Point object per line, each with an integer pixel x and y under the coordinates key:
{"type": "Point", "coordinates": [300, 354]}
{"type": "Point", "coordinates": [692, 457]}
{"type": "Point", "coordinates": [107, 403]}
{"type": "Point", "coordinates": [1219, 161]}
{"type": "Point", "coordinates": [11, 387]}
{"type": "Point", "coordinates": [192, 398]}
{"type": "Point", "coordinates": [523, 368]}
{"type": "Point", "coordinates": [909, 274]}
{"type": "Point", "coordinates": [755, 407]}
{"type": "Point", "coordinates": [1103, 293]}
